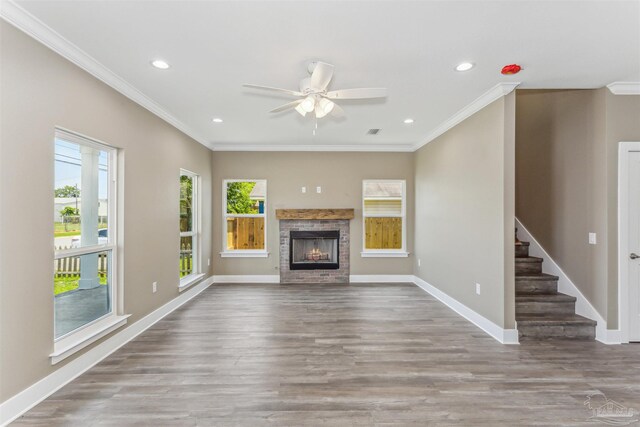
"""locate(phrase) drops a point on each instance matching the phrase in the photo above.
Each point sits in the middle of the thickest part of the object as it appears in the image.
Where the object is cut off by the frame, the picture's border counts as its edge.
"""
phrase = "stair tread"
(553, 320)
(544, 297)
(536, 276)
(528, 259)
(542, 313)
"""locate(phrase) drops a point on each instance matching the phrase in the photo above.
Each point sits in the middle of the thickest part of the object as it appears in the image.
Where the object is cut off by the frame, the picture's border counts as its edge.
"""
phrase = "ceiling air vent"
(373, 131)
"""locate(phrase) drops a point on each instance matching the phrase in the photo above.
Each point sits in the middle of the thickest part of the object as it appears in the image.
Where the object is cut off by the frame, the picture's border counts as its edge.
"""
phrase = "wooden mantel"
(314, 213)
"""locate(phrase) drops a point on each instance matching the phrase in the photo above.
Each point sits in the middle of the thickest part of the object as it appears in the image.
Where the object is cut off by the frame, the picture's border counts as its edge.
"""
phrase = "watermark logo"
(609, 411)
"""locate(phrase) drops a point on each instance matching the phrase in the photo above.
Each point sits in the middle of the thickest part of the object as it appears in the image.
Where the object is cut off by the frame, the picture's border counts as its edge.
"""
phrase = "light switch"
(303, 189)
(318, 190)
(592, 238)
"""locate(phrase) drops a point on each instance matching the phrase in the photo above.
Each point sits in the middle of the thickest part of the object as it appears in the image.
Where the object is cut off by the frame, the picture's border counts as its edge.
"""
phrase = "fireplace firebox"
(314, 250)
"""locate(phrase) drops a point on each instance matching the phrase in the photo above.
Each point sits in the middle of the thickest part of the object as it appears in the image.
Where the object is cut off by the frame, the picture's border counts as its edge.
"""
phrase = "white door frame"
(623, 241)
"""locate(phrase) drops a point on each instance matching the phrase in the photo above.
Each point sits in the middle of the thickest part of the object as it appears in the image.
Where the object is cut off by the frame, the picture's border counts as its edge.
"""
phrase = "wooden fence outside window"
(245, 233)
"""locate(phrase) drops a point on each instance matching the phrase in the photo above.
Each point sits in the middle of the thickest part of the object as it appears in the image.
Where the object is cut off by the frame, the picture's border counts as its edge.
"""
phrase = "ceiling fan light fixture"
(320, 113)
(301, 110)
(309, 104)
(326, 105)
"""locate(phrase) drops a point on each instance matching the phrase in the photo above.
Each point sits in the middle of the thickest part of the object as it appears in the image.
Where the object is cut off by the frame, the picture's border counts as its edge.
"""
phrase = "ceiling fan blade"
(287, 106)
(361, 93)
(275, 89)
(321, 76)
(337, 111)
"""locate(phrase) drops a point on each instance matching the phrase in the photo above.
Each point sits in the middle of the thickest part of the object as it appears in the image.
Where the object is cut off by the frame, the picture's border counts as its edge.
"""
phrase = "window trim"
(194, 233)
(385, 253)
(89, 333)
(243, 253)
(73, 341)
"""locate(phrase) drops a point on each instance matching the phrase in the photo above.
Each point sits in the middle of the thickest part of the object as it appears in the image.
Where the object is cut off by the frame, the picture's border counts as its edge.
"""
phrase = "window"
(245, 205)
(189, 227)
(84, 238)
(384, 219)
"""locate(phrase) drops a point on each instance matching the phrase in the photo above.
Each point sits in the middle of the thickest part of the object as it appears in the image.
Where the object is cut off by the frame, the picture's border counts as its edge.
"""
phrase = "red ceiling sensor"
(511, 69)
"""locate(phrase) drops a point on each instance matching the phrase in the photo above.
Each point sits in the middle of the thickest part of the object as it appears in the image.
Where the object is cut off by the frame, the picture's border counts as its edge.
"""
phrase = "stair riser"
(565, 332)
(544, 313)
(536, 286)
(530, 307)
(528, 267)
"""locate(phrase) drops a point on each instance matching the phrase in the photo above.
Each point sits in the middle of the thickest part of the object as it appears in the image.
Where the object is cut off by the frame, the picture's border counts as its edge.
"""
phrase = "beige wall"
(560, 182)
(339, 174)
(464, 212)
(566, 181)
(40, 90)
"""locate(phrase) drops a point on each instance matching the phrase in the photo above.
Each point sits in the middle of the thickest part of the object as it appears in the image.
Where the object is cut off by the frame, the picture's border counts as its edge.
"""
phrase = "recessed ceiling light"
(217, 120)
(159, 63)
(465, 66)
(408, 121)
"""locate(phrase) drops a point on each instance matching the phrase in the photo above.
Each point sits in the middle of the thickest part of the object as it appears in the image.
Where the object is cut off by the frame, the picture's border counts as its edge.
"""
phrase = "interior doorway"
(629, 240)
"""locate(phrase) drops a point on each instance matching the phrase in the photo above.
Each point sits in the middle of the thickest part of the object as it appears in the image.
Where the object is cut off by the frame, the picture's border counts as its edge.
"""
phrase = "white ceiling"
(409, 47)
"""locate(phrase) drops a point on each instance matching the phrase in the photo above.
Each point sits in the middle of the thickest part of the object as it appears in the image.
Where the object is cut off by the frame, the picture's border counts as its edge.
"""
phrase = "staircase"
(541, 311)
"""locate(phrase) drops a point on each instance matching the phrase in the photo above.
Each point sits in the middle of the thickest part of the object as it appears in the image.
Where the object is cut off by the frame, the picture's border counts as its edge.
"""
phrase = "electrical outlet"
(592, 238)
(318, 190)
(478, 288)
(418, 262)
(208, 262)
(154, 287)
(303, 189)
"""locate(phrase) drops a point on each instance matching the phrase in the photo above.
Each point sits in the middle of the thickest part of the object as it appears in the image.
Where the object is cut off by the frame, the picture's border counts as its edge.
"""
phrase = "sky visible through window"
(68, 167)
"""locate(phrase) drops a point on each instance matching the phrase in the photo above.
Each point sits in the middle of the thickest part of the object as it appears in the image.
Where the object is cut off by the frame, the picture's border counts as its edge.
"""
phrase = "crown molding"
(398, 148)
(496, 92)
(32, 26)
(624, 88)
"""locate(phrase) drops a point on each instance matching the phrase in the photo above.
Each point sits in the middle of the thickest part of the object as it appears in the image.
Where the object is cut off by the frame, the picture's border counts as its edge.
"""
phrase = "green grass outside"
(66, 234)
(66, 284)
(182, 267)
(70, 283)
(59, 229)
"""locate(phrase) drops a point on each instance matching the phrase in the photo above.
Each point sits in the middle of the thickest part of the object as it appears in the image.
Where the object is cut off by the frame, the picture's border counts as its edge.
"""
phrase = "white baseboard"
(381, 278)
(504, 336)
(28, 398)
(566, 286)
(257, 278)
(610, 336)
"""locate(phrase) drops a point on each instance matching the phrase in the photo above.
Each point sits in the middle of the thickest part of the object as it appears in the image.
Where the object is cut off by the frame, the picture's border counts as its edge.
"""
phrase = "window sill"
(189, 280)
(240, 254)
(81, 339)
(387, 254)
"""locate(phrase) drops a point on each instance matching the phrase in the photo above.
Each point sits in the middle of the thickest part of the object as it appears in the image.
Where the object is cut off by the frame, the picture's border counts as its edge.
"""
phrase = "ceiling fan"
(313, 94)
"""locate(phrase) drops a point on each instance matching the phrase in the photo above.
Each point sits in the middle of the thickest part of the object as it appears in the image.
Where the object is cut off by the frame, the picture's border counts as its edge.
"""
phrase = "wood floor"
(363, 354)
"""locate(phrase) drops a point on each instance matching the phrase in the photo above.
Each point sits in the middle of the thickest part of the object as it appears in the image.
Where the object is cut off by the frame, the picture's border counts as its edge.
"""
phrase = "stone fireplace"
(314, 245)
